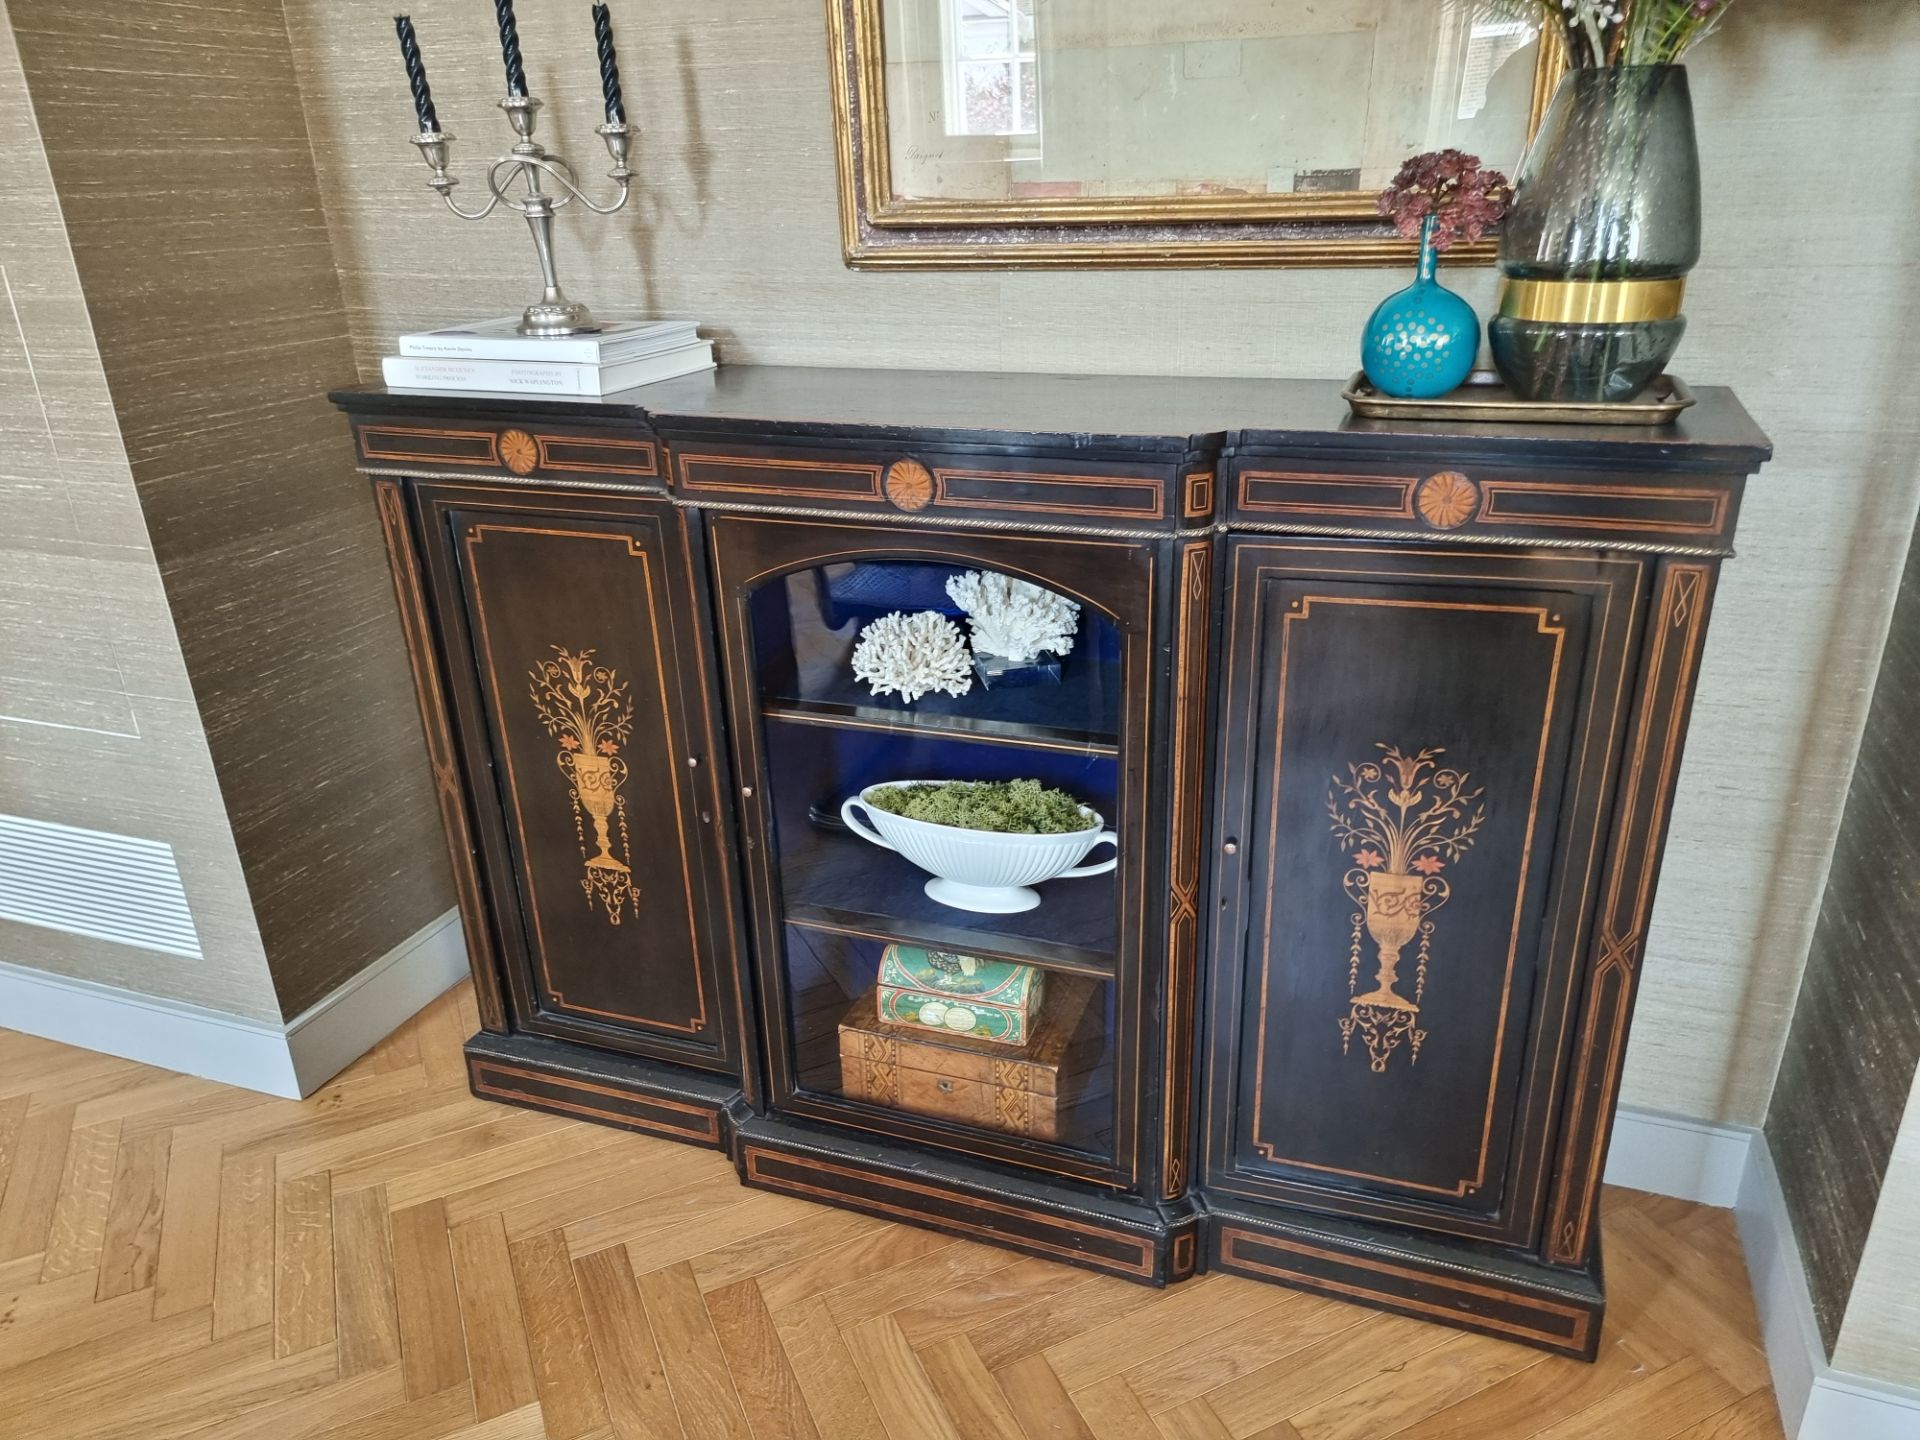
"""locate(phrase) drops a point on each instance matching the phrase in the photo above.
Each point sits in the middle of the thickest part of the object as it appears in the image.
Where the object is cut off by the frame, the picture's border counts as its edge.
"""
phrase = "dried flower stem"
(1621, 32)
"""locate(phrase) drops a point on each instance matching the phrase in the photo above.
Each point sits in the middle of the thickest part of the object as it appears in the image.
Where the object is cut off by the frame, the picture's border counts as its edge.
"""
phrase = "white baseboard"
(1671, 1155)
(173, 1036)
(1731, 1166)
(1851, 1407)
(1816, 1401)
(292, 1059)
(330, 1035)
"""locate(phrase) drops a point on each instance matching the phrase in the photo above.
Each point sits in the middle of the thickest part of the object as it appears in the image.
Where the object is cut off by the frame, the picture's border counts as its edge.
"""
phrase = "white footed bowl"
(981, 870)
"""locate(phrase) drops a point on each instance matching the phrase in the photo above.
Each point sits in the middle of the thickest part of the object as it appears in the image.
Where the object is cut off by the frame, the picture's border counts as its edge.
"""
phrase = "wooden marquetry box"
(1020, 1091)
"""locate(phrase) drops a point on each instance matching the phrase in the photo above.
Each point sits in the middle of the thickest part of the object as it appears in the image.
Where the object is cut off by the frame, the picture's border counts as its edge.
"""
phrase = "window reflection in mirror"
(1016, 100)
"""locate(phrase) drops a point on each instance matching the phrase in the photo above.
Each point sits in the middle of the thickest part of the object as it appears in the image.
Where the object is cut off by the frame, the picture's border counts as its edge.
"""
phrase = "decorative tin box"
(1030, 1091)
(989, 999)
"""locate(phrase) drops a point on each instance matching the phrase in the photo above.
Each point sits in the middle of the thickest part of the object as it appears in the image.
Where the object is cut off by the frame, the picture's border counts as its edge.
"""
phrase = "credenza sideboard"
(1385, 720)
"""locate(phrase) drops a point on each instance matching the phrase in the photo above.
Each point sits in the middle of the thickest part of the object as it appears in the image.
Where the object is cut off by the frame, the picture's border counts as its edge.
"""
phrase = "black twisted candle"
(510, 47)
(416, 75)
(609, 65)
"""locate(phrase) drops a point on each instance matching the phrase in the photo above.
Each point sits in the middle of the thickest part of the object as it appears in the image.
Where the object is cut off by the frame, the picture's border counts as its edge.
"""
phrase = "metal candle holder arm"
(529, 162)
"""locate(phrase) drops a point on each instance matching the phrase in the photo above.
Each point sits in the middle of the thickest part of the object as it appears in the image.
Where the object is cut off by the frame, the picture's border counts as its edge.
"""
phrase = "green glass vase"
(1604, 226)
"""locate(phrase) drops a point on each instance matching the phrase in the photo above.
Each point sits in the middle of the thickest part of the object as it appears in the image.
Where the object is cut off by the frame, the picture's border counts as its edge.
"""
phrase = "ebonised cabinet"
(1386, 720)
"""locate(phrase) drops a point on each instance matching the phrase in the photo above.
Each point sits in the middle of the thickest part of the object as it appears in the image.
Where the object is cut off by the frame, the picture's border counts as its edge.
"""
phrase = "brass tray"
(1486, 397)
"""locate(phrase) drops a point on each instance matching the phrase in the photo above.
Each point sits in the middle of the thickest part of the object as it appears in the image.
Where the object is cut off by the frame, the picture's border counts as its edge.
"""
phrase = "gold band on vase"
(1591, 302)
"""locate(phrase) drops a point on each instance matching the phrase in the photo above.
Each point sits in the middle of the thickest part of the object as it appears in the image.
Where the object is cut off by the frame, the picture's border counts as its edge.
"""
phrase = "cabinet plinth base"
(1116, 1235)
(1458, 1283)
(608, 1089)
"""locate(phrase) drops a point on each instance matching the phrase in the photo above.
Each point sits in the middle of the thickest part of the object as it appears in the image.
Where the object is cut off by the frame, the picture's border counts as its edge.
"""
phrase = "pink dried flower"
(1463, 200)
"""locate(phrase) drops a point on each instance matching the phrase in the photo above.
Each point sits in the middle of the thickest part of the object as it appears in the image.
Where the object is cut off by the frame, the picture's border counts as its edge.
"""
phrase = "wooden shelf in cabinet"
(849, 887)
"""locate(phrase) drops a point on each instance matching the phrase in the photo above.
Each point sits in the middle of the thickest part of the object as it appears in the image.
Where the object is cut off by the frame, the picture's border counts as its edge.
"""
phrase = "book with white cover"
(534, 377)
(500, 340)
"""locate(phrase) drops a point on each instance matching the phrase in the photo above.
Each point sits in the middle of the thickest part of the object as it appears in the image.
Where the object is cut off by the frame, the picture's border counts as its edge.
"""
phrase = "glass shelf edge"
(800, 712)
(1104, 971)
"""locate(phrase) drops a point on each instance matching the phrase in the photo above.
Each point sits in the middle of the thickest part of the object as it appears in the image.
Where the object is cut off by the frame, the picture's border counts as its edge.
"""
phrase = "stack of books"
(493, 355)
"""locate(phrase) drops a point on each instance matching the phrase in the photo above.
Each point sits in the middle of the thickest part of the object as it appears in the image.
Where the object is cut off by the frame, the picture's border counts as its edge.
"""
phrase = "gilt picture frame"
(1200, 224)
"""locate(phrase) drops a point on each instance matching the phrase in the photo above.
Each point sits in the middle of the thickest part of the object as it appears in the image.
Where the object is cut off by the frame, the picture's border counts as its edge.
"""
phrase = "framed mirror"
(1057, 133)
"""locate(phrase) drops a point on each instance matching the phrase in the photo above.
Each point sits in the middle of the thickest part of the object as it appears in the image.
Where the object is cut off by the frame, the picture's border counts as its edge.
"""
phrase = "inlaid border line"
(1263, 1229)
(658, 488)
(1468, 539)
(1029, 527)
(968, 1187)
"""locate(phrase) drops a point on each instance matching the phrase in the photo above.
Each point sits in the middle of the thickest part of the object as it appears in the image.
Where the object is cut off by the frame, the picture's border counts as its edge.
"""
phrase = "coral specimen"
(1013, 807)
(913, 655)
(1013, 619)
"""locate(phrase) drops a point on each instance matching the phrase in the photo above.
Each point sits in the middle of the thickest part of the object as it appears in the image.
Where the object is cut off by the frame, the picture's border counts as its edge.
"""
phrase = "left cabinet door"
(590, 746)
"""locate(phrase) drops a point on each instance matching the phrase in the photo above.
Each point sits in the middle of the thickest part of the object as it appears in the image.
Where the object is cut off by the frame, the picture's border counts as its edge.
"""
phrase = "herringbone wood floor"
(394, 1260)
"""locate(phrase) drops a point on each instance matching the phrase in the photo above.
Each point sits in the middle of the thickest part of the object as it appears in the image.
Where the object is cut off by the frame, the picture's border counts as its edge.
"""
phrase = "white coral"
(1013, 619)
(913, 655)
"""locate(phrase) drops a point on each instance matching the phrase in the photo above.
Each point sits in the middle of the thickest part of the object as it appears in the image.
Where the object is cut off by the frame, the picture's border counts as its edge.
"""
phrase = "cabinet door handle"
(693, 762)
(945, 1086)
(1232, 847)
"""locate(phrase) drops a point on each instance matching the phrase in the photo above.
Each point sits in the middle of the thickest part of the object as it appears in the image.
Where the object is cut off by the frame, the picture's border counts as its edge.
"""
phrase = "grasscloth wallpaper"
(1806, 302)
(1855, 1040)
(1881, 1333)
(199, 238)
(98, 724)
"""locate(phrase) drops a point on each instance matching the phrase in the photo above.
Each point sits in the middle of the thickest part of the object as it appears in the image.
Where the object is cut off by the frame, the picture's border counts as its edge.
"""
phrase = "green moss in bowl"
(1011, 807)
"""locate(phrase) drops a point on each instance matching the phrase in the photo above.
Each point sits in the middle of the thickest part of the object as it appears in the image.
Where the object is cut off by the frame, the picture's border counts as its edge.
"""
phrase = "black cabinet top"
(1098, 413)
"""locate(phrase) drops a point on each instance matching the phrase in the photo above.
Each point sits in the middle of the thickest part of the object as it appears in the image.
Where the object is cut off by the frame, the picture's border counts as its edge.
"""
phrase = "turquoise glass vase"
(1422, 341)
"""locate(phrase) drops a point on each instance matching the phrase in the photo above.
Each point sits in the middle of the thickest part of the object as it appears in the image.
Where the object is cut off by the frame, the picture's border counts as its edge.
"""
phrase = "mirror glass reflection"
(1023, 100)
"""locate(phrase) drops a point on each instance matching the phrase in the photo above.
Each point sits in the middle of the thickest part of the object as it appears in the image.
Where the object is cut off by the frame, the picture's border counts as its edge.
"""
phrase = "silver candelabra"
(529, 164)
(518, 179)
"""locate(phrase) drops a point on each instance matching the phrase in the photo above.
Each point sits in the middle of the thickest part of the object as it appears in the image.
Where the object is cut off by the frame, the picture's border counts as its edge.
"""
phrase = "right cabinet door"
(1418, 752)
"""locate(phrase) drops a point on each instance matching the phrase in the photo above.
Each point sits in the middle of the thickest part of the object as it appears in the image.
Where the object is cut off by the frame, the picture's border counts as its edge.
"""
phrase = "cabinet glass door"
(930, 966)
